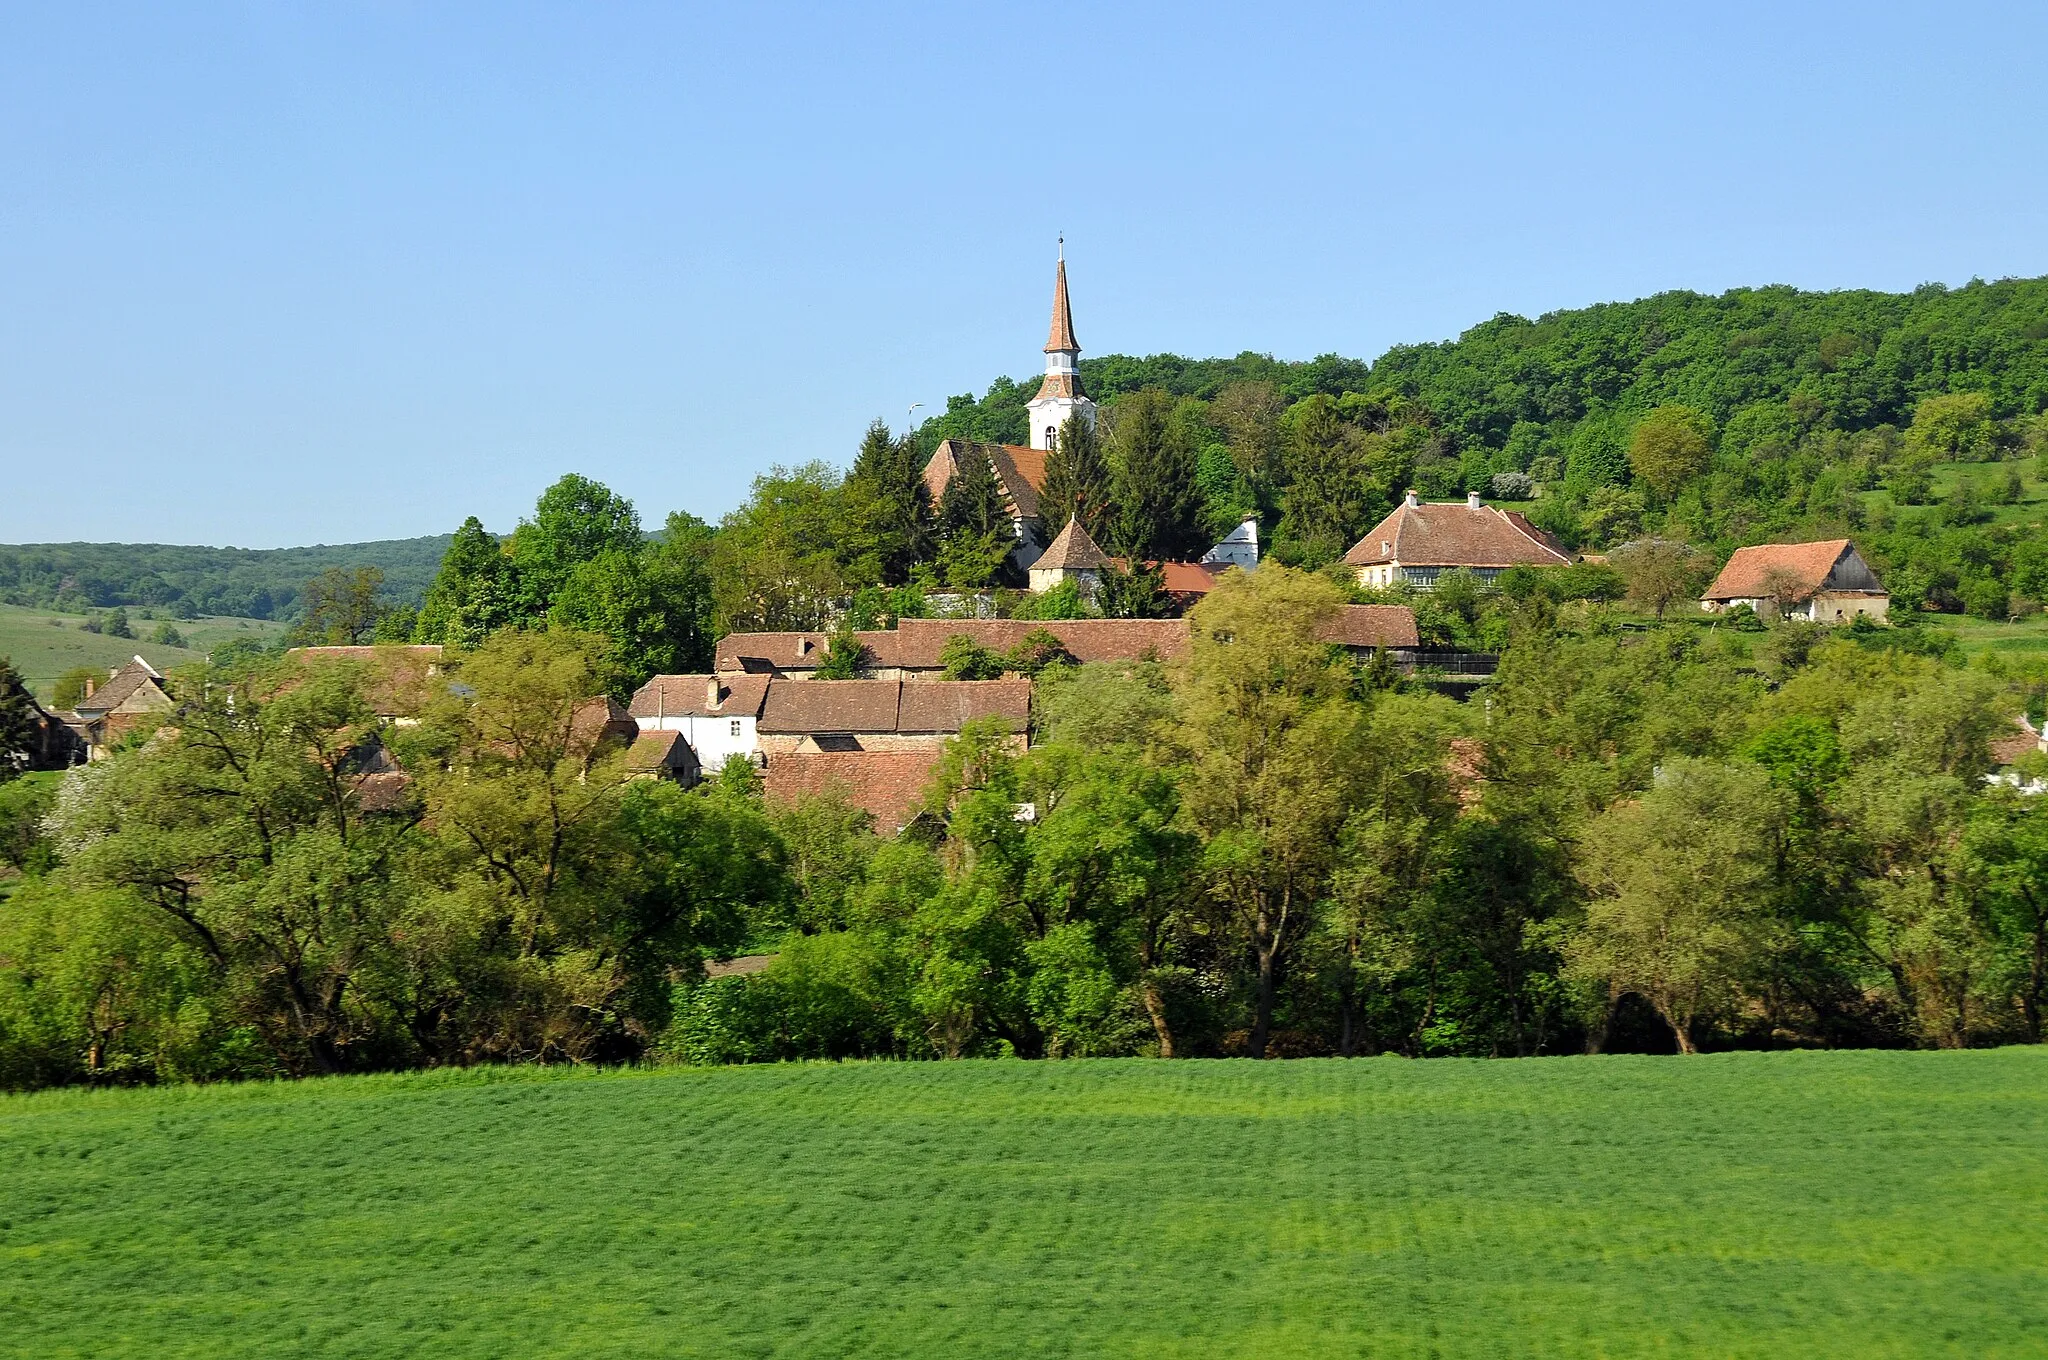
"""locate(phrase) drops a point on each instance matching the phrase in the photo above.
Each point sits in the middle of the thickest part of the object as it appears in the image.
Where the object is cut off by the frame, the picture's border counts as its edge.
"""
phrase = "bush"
(1513, 486)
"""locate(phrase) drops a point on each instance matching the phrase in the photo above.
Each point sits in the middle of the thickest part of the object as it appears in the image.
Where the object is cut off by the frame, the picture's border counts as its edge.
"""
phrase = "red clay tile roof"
(819, 706)
(1752, 573)
(770, 651)
(1373, 625)
(1019, 469)
(678, 696)
(888, 784)
(1190, 578)
(1073, 550)
(1455, 534)
(797, 706)
(1061, 336)
(944, 705)
(596, 719)
(919, 641)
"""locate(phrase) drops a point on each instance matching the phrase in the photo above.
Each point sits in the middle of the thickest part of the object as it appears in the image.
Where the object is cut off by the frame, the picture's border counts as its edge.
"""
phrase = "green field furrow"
(1865, 1204)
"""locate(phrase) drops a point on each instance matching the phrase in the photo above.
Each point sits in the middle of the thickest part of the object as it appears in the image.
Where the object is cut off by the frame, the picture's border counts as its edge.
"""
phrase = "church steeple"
(1062, 340)
(1060, 395)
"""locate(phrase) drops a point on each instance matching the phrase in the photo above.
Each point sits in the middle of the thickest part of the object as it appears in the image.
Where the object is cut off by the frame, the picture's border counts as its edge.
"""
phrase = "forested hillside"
(256, 583)
(1905, 419)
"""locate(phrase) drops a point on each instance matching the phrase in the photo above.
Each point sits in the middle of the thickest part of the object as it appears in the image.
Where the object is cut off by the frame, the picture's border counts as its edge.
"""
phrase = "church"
(1020, 468)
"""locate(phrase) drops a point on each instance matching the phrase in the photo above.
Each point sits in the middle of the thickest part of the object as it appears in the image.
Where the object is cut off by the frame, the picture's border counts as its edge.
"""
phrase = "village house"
(887, 730)
(53, 742)
(718, 715)
(1421, 540)
(131, 695)
(1826, 582)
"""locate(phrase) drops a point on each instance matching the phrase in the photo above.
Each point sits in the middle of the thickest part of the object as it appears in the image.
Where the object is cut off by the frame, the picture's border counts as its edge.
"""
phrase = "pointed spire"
(1062, 337)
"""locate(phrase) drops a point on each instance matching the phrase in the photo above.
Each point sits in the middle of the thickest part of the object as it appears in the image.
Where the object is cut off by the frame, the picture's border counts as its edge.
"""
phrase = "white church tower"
(1060, 395)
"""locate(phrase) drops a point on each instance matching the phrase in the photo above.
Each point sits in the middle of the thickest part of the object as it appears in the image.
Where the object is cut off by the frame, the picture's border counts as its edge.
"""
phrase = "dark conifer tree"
(973, 503)
(1154, 466)
(1077, 479)
(889, 510)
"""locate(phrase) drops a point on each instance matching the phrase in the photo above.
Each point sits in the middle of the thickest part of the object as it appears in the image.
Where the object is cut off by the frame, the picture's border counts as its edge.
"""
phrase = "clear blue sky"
(278, 274)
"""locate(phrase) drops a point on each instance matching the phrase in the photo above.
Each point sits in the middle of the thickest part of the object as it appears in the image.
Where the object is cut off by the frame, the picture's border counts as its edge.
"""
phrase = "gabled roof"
(1020, 471)
(659, 750)
(135, 681)
(1061, 337)
(945, 705)
(1802, 568)
(1373, 625)
(1456, 534)
(889, 785)
(1073, 550)
(689, 696)
(802, 706)
(596, 719)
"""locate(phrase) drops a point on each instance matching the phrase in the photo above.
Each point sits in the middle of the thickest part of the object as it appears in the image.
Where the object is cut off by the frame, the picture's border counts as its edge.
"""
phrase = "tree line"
(1669, 838)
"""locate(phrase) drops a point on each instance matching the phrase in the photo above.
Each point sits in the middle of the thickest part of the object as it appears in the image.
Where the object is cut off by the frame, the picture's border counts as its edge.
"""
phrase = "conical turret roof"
(1073, 550)
(1062, 337)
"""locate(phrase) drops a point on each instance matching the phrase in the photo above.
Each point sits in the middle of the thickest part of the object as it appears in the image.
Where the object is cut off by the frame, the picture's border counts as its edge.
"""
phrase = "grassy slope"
(42, 652)
(1844, 1204)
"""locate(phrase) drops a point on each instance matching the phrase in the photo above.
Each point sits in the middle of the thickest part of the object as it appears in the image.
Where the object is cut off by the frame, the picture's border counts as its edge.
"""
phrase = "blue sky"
(280, 274)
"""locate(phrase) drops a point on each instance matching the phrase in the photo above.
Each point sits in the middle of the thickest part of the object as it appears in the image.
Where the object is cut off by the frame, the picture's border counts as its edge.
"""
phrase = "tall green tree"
(1273, 746)
(1077, 479)
(1154, 482)
(1669, 447)
(575, 521)
(1680, 887)
(1326, 498)
(888, 509)
(342, 608)
(17, 722)
(973, 502)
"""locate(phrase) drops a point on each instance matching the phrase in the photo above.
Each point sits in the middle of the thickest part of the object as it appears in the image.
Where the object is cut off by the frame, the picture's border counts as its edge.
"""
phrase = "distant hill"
(257, 583)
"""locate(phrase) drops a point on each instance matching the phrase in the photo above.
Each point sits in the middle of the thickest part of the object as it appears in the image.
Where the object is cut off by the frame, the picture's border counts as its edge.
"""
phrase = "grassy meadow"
(1810, 1204)
(43, 644)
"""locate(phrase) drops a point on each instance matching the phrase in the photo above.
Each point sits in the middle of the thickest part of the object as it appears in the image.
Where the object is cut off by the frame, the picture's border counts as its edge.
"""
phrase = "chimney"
(711, 691)
(90, 685)
(1410, 498)
(1472, 500)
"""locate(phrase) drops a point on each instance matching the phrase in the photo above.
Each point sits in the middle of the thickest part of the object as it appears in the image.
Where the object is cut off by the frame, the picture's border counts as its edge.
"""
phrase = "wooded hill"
(256, 583)
(1779, 413)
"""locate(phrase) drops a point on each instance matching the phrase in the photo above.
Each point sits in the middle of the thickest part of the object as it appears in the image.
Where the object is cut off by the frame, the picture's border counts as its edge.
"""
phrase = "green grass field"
(1796, 1204)
(43, 644)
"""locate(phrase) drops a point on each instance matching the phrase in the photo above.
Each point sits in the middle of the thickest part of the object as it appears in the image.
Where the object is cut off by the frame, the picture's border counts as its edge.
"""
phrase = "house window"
(735, 726)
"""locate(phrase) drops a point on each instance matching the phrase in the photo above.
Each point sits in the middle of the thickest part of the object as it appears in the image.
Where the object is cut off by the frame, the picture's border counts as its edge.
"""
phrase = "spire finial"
(1063, 247)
